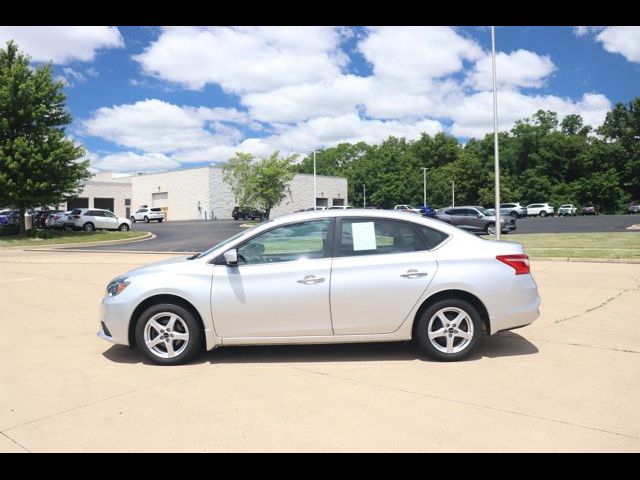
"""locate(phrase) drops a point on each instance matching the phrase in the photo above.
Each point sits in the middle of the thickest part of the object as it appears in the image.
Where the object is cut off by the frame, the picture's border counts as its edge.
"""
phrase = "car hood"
(162, 265)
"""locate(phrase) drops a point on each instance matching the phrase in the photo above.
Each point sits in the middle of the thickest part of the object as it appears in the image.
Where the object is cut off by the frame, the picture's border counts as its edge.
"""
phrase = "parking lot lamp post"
(364, 196)
(315, 197)
(495, 132)
(453, 193)
(424, 189)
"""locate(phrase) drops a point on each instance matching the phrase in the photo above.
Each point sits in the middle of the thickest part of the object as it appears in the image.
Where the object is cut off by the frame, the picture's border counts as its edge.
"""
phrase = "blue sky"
(149, 98)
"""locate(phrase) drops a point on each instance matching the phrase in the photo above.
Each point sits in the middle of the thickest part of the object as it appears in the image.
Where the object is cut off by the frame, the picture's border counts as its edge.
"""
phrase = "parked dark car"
(589, 210)
(475, 219)
(248, 213)
(9, 217)
(39, 217)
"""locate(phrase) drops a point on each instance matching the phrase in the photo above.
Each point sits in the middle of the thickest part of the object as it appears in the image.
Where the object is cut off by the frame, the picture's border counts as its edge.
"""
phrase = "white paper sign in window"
(364, 236)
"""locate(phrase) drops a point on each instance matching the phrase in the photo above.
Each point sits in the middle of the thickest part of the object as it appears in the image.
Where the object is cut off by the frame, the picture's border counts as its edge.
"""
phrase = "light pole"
(315, 197)
(364, 196)
(453, 193)
(424, 190)
(495, 132)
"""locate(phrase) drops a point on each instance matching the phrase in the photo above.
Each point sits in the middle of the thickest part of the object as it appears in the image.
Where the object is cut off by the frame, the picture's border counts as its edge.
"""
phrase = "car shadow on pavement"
(502, 345)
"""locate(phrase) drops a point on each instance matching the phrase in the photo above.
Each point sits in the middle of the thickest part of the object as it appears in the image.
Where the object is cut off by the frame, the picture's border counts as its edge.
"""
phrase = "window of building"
(338, 202)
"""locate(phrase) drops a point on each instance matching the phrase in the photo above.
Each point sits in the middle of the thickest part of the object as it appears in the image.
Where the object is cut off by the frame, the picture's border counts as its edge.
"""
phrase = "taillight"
(519, 261)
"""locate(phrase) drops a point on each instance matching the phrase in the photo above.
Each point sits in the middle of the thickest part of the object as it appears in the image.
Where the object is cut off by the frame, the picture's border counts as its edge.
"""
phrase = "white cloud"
(243, 59)
(133, 162)
(157, 126)
(520, 68)
(622, 40)
(473, 115)
(410, 56)
(582, 31)
(62, 45)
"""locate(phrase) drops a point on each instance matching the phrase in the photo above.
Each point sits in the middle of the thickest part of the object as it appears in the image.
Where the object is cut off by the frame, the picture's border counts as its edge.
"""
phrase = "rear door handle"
(311, 279)
(414, 274)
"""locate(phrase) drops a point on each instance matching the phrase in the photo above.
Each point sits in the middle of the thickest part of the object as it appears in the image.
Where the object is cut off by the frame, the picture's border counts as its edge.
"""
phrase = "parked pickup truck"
(567, 209)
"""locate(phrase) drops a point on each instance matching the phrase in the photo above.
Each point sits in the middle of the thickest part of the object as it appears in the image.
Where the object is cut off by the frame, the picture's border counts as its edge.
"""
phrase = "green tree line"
(542, 158)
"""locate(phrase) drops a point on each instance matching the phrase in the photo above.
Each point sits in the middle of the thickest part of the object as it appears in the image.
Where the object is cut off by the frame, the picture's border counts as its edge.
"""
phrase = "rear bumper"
(518, 307)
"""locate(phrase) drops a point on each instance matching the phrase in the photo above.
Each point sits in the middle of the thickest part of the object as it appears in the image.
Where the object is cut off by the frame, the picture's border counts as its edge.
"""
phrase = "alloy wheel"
(166, 335)
(450, 330)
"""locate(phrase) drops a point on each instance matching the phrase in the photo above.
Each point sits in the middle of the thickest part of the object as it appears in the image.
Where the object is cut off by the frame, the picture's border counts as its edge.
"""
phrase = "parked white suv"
(407, 208)
(90, 219)
(542, 209)
(567, 209)
(147, 215)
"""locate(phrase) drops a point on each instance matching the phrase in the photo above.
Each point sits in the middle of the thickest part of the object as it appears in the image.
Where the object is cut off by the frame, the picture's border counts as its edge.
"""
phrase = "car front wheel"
(543, 213)
(491, 229)
(133, 219)
(449, 329)
(88, 227)
(146, 219)
(124, 227)
(169, 334)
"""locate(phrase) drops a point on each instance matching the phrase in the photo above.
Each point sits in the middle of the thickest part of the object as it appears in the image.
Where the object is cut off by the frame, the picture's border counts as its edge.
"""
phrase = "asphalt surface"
(196, 236)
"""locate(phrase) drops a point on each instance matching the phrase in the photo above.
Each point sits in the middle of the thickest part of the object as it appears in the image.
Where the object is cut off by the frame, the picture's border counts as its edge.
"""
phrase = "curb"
(586, 260)
(62, 246)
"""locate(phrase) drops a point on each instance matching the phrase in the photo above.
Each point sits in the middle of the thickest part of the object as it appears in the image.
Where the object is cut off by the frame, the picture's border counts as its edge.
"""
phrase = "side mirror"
(231, 257)
(480, 215)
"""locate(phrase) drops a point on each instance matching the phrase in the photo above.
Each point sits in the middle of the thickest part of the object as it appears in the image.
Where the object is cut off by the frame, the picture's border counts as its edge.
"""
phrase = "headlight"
(117, 286)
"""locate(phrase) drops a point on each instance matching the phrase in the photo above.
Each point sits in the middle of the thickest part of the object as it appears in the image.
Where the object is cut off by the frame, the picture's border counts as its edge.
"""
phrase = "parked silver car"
(332, 276)
(513, 210)
(475, 219)
(57, 220)
(90, 219)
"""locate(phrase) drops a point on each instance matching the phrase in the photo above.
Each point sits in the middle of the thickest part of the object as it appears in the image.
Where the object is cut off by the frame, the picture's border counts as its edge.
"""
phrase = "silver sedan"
(331, 276)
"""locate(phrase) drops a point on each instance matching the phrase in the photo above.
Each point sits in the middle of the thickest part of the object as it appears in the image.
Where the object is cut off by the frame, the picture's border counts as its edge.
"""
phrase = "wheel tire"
(67, 228)
(491, 229)
(543, 213)
(160, 220)
(421, 335)
(133, 219)
(146, 219)
(514, 214)
(124, 227)
(195, 342)
(89, 227)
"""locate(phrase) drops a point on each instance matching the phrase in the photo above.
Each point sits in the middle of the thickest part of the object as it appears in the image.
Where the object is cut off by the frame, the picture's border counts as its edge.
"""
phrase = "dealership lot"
(568, 382)
(196, 236)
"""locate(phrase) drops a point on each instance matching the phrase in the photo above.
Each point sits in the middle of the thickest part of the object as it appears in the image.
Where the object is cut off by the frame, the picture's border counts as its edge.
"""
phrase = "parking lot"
(196, 236)
(568, 382)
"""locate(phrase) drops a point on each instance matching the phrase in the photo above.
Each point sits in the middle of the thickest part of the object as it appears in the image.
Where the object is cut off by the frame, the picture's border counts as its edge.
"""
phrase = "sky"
(147, 99)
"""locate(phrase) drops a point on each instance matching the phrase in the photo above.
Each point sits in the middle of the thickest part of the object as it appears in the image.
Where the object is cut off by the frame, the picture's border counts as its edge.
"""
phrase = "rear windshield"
(156, 209)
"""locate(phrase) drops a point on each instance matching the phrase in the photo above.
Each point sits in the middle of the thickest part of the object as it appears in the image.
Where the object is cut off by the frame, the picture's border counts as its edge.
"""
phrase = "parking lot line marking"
(15, 442)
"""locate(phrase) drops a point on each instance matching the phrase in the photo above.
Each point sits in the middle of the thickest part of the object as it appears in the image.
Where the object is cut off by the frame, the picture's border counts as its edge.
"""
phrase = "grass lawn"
(614, 245)
(58, 237)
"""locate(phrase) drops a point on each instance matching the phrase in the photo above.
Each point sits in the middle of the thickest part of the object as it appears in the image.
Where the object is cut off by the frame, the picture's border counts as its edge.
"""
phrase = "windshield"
(228, 240)
(487, 211)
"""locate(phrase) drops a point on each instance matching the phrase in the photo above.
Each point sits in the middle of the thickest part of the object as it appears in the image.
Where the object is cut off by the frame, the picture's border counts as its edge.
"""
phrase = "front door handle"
(311, 279)
(414, 274)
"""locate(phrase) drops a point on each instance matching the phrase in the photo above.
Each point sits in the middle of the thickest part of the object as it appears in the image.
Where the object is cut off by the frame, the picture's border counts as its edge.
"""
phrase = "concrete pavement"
(569, 382)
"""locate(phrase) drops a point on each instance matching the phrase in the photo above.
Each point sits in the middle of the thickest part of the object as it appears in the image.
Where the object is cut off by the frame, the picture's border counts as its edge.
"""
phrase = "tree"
(259, 183)
(38, 165)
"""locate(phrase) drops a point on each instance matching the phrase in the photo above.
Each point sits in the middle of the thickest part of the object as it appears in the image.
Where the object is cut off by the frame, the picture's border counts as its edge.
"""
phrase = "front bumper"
(115, 316)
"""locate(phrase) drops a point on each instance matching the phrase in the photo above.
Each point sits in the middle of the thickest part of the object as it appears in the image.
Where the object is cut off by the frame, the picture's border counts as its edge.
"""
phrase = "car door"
(280, 287)
(110, 220)
(380, 270)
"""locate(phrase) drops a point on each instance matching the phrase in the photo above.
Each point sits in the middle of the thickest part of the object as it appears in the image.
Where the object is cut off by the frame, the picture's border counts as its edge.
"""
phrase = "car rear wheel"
(169, 334)
(88, 227)
(514, 214)
(449, 329)
(124, 227)
(146, 219)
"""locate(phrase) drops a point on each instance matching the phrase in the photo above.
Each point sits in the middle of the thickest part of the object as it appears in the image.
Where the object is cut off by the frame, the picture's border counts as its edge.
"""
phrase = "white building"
(197, 193)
